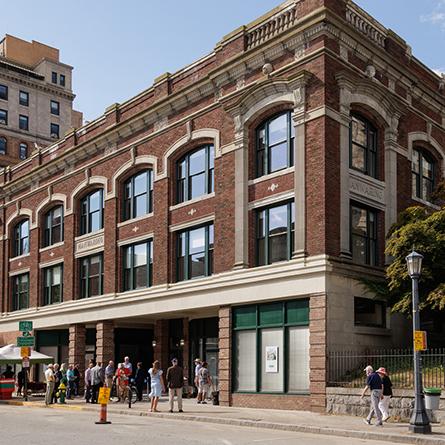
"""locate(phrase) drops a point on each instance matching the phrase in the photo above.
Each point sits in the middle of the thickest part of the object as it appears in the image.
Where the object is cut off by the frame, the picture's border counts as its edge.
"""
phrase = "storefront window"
(271, 347)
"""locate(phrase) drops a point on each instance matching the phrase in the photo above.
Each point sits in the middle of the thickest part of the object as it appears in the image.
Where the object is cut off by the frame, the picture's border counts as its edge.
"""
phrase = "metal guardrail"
(346, 368)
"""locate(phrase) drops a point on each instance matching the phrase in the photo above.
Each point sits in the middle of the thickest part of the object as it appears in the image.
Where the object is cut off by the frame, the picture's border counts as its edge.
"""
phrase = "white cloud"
(439, 71)
(437, 16)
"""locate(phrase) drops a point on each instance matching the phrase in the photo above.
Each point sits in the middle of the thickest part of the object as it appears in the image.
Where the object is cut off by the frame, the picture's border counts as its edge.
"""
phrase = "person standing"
(109, 374)
(57, 380)
(122, 381)
(50, 379)
(374, 383)
(139, 380)
(387, 394)
(21, 381)
(96, 381)
(88, 384)
(175, 382)
(70, 377)
(76, 379)
(9, 373)
(156, 385)
(204, 383)
(128, 366)
(198, 366)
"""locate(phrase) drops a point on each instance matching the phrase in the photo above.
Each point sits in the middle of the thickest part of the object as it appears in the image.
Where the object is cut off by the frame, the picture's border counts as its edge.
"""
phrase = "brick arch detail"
(91, 181)
(55, 198)
(417, 136)
(13, 219)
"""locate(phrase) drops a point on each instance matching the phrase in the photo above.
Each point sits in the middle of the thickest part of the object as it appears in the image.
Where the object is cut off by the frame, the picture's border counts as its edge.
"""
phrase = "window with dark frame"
(55, 107)
(3, 146)
(194, 257)
(53, 285)
(91, 212)
(364, 235)
(3, 92)
(275, 140)
(3, 117)
(138, 265)
(423, 177)
(54, 77)
(54, 131)
(23, 150)
(275, 226)
(23, 122)
(91, 276)
(20, 238)
(20, 291)
(62, 80)
(195, 174)
(371, 313)
(363, 146)
(138, 195)
(53, 226)
(24, 98)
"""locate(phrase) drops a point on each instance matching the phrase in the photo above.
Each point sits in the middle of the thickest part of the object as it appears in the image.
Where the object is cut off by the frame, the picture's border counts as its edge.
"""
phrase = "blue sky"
(118, 47)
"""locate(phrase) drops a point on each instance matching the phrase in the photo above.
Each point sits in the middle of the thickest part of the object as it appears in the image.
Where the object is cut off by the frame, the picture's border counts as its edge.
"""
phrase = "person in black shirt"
(139, 380)
(9, 373)
(374, 383)
(387, 394)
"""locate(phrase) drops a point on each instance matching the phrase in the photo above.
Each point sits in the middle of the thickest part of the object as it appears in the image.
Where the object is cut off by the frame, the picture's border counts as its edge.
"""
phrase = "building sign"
(364, 189)
(420, 341)
(25, 326)
(25, 341)
(89, 244)
(271, 359)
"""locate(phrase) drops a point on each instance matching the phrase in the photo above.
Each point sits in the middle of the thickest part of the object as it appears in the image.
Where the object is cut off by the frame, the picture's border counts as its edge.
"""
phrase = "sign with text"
(25, 326)
(25, 341)
(25, 362)
(272, 359)
(25, 351)
(420, 340)
(104, 395)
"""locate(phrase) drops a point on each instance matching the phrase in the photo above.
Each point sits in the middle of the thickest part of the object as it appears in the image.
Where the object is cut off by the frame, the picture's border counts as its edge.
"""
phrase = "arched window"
(91, 212)
(195, 175)
(53, 226)
(20, 238)
(23, 151)
(3, 146)
(363, 142)
(275, 144)
(423, 175)
(138, 195)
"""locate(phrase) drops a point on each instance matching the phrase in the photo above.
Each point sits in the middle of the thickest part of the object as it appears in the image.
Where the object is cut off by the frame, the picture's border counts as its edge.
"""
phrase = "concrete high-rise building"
(36, 98)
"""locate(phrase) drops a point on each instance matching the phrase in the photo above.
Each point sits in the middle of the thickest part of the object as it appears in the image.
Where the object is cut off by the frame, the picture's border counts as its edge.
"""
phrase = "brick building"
(230, 210)
(36, 98)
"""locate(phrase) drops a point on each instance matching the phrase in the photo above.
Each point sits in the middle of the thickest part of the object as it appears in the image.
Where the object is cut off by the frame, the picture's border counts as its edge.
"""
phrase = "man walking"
(374, 383)
(175, 382)
(50, 380)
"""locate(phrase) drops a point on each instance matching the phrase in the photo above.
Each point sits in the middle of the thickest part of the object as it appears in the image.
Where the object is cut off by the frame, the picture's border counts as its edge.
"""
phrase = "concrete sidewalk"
(301, 421)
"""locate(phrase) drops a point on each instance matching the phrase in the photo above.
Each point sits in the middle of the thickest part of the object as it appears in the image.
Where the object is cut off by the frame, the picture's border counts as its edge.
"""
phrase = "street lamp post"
(419, 422)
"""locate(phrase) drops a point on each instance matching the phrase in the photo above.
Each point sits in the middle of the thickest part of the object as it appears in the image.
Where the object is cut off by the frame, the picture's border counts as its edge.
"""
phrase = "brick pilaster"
(110, 247)
(76, 348)
(34, 271)
(160, 352)
(104, 341)
(69, 262)
(317, 352)
(225, 354)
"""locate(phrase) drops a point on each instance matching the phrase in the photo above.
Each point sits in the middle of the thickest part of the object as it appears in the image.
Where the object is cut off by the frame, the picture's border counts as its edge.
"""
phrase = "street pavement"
(39, 426)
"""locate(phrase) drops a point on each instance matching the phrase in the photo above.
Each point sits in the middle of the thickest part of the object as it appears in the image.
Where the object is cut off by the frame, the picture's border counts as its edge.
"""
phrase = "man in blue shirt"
(375, 384)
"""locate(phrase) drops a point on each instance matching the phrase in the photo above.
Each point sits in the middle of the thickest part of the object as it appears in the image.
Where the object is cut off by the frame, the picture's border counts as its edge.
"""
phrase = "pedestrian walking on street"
(49, 378)
(387, 394)
(76, 379)
(157, 385)
(88, 382)
(204, 383)
(198, 366)
(109, 374)
(139, 380)
(20, 381)
(375, 385)
(175, 382)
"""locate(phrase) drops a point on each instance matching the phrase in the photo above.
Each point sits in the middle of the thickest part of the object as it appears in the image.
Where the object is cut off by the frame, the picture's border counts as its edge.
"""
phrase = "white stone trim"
(136, 239)
(273, 175)
(88, 235)
(19, 272)
(89, 181)
(52, 198)
(425, 137)
(274, 199)
(58, 261)
(192, 201)
(89, 252)
(128, 222)
(52, 246)
(20, 257)
(189, 224)
(18, 213)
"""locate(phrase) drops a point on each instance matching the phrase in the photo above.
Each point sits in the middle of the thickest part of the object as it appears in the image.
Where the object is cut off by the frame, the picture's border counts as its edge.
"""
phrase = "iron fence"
(346, 368)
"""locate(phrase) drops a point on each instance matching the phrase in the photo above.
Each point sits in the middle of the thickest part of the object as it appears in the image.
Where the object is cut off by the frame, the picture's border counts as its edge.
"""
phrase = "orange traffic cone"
(102, 415)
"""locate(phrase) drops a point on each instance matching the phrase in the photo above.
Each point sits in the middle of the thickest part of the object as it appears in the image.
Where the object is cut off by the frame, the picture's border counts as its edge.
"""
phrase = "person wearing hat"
(50, 382)
(387, 393)
(198, 366)
(374, 383)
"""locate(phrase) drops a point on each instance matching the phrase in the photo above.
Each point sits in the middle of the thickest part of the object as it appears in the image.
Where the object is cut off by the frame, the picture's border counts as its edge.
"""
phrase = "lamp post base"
(420, 429)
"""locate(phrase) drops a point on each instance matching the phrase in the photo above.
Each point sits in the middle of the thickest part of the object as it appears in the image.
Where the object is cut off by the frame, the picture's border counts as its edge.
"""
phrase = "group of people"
(379, 383)
(57, 375)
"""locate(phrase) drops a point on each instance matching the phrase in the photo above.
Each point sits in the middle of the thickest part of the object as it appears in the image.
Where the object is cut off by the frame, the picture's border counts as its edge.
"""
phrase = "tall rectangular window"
(363, 142)
(55, 107)
(91, 276)
(91, 212)
(52, 285)
(20, 292)
(21, 238)
(23, 122)
(23, 150)
(275, 233)
(24, 98)
(195, 253)
(369, 312)
(364, 235)
(3, 117)
(423, 178)
(138, 195)
(271, 347)
(54, 131)
(54, 77)
(62, 80)
(3, 92)
(138, 265)
(53, 226)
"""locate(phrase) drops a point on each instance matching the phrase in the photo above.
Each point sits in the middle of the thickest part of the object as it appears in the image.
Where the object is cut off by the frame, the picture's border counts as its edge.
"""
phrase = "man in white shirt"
(128, 365)
(50, 381)
(198, 366)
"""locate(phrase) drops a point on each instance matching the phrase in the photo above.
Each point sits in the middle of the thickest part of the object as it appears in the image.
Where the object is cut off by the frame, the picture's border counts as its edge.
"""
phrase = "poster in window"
(271, 359)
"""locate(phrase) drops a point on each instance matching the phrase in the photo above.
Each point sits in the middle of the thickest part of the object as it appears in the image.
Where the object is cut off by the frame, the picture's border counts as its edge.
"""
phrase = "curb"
(385, 437)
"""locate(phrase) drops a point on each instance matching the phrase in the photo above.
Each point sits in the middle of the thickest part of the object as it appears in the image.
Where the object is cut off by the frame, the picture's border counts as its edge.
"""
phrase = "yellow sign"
(104, 395)
(25, 351)
(420, 340)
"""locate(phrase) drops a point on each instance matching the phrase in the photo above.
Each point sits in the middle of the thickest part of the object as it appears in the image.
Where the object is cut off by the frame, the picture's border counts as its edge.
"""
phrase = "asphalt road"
(42, 426)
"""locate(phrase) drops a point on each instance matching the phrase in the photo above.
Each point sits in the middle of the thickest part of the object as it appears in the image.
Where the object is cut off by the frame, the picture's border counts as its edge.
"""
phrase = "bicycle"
(132, 393)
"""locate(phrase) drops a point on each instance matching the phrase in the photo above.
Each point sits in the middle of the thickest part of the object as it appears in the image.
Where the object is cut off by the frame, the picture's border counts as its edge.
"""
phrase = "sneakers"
(170, 411)
(180, 411)
(368, 422)
(379, 424)
(204, 403)
(385, 418)
(199, 401)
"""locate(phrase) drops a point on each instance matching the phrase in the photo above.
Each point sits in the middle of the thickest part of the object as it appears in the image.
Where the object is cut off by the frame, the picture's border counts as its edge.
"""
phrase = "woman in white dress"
(157, 385)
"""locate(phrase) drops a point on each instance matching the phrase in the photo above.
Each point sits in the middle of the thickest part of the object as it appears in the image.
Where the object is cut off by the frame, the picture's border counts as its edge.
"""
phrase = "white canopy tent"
(10, 354)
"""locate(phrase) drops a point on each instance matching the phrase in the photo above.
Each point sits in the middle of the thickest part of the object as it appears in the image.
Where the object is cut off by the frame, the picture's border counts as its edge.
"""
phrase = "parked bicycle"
(131, 393)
